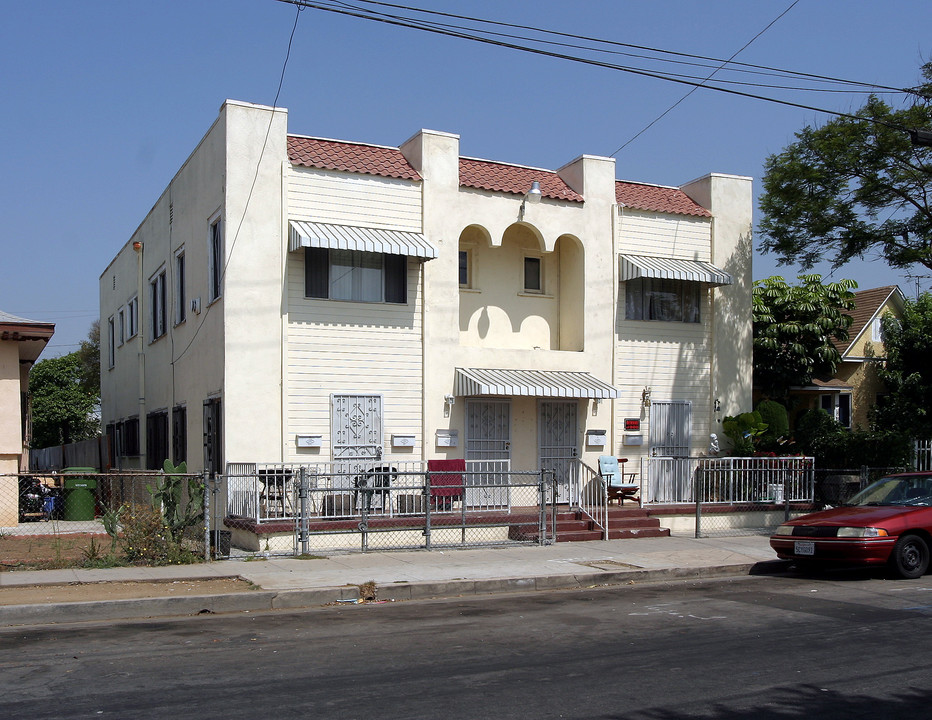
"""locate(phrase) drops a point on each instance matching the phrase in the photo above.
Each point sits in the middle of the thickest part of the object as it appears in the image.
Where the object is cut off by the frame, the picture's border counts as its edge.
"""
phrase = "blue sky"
(103, 101)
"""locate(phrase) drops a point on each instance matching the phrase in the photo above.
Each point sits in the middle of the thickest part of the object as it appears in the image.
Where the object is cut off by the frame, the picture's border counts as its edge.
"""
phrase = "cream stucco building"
(291, 298)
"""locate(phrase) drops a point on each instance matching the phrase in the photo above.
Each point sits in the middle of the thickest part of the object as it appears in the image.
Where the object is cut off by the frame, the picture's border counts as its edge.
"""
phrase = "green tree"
(793, 330)
(89, 356)
(852, 187)
(907, 372)
(65, 395)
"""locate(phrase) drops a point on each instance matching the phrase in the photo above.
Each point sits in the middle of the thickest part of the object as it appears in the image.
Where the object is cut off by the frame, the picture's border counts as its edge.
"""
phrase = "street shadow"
(802, 701)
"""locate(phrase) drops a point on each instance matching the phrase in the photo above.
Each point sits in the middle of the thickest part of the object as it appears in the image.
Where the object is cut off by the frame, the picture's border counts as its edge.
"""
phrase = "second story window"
(533, 277)
(158, 300)
(215, 260)
(132, 317)
(180, 295)
(663, 300)
(111, 343)
(465, 279)
(354, 275)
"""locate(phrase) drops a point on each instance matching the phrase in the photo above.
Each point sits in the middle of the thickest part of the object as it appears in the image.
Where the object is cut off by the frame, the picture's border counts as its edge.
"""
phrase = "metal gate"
(356, 423)
(488, 444)
(669, 436)
(557, 444)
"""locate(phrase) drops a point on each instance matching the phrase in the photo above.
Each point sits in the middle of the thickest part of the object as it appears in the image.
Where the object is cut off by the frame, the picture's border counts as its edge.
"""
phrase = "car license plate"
(804, 547)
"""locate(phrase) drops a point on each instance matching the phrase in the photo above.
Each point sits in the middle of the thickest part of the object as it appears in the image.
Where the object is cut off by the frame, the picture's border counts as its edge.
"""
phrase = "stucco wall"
(11, 430)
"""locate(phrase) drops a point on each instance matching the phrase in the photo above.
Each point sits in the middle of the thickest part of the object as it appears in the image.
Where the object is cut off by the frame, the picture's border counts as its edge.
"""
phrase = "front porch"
(352, 506)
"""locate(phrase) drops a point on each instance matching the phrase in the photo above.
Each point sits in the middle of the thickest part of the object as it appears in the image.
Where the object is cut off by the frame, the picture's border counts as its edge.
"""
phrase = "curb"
(269, 600)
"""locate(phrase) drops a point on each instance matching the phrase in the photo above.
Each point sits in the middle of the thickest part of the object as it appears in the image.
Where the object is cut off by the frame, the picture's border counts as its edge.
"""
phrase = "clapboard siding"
(672, 236)
(353, 199)
(346, 347)
(674, 360)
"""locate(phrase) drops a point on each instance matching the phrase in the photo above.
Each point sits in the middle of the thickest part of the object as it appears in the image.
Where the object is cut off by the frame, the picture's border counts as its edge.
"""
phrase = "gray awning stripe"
(645, 266)
(532, 383)
(302, 234)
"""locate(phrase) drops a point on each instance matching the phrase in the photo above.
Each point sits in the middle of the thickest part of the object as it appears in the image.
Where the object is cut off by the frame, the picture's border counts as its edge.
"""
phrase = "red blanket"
(445, 478)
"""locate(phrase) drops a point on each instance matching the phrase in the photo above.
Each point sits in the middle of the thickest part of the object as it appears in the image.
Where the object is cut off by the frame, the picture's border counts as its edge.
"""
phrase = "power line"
(366, 15)
(759, 69)
(690, 92)
(252, 187)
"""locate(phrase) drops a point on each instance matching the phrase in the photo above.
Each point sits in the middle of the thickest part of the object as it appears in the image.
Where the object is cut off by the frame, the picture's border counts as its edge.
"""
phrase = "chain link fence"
(357, 506)
(80, 517)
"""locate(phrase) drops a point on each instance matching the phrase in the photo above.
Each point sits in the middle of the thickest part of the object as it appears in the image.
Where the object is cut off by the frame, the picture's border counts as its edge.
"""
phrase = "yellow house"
(849, 395)
(21, 342)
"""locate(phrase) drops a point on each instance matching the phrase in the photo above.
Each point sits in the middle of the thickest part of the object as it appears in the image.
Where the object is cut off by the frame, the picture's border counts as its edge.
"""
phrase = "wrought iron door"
(488, 452)
(357, 435)
(670, 436)
(557, 443)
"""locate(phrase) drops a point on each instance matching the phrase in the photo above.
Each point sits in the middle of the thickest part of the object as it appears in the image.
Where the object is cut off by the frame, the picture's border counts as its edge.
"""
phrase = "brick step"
(623, 523)
(629, 534)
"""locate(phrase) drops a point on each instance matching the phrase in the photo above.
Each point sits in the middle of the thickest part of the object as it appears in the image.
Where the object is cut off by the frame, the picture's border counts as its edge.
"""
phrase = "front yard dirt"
(87, 592)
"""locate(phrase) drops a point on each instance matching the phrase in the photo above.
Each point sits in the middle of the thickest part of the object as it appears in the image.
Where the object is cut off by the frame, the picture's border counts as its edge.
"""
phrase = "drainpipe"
(616, 288)
(140, 352)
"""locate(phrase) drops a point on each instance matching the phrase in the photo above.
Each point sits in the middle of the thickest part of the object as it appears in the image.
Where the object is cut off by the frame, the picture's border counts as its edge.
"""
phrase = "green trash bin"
(79, 489)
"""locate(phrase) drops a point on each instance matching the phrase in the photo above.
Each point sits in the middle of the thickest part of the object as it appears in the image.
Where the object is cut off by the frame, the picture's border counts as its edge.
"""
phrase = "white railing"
(923, 457)
(669, 480)
(589, 491)
(268, 492)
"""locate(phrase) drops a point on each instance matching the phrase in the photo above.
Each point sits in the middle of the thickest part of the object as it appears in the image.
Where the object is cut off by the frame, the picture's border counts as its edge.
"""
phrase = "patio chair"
(274, 496)
(446, 482)
(619, 485)
(374, 483)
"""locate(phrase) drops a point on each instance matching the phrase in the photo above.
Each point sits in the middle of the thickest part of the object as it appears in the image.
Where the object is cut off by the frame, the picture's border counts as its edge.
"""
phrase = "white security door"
(488, 450)
(557, 442)
(670, 437)
(356, 433)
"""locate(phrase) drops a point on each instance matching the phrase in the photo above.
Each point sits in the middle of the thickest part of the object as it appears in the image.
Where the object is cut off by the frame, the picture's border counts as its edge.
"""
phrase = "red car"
(888, 522)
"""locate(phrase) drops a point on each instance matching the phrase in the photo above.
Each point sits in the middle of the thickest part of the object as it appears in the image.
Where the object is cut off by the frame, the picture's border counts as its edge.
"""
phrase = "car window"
(916, 490)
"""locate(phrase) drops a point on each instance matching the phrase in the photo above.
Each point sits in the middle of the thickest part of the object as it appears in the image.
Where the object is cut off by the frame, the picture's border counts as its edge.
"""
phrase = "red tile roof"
(657, 198)
(350, 157)
(482, 174)
(516, 179)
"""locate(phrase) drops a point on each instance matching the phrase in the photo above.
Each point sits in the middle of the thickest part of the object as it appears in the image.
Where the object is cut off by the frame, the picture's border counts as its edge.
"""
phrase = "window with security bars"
(179, 434)
(156, 439)
(213, 436)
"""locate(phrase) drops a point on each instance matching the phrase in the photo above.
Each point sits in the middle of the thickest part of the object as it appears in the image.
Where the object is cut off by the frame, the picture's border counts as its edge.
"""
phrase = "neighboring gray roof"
(12, 319)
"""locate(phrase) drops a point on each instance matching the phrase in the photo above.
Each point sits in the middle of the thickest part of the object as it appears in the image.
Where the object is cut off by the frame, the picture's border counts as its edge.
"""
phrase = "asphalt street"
(847, 645)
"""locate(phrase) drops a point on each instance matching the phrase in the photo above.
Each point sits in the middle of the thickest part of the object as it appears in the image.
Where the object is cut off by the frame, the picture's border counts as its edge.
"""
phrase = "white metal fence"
(729, 480)
(923, 456)
(267, 492)
(386, 504)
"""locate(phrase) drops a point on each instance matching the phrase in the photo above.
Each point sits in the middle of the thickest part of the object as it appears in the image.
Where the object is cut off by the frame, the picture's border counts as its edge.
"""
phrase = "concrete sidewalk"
(283, 582)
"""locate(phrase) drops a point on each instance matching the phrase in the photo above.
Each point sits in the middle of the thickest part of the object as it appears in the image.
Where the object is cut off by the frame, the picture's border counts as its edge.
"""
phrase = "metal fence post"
(698, 506)
(427, 497)
(786, 496)
(302, 510)
(207, 500)
(553, 507)
(542, 513)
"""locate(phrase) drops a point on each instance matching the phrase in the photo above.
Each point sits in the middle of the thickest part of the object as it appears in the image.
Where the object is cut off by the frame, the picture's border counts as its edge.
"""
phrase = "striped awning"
(532, 383)
(302, 234)
(644, 266)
